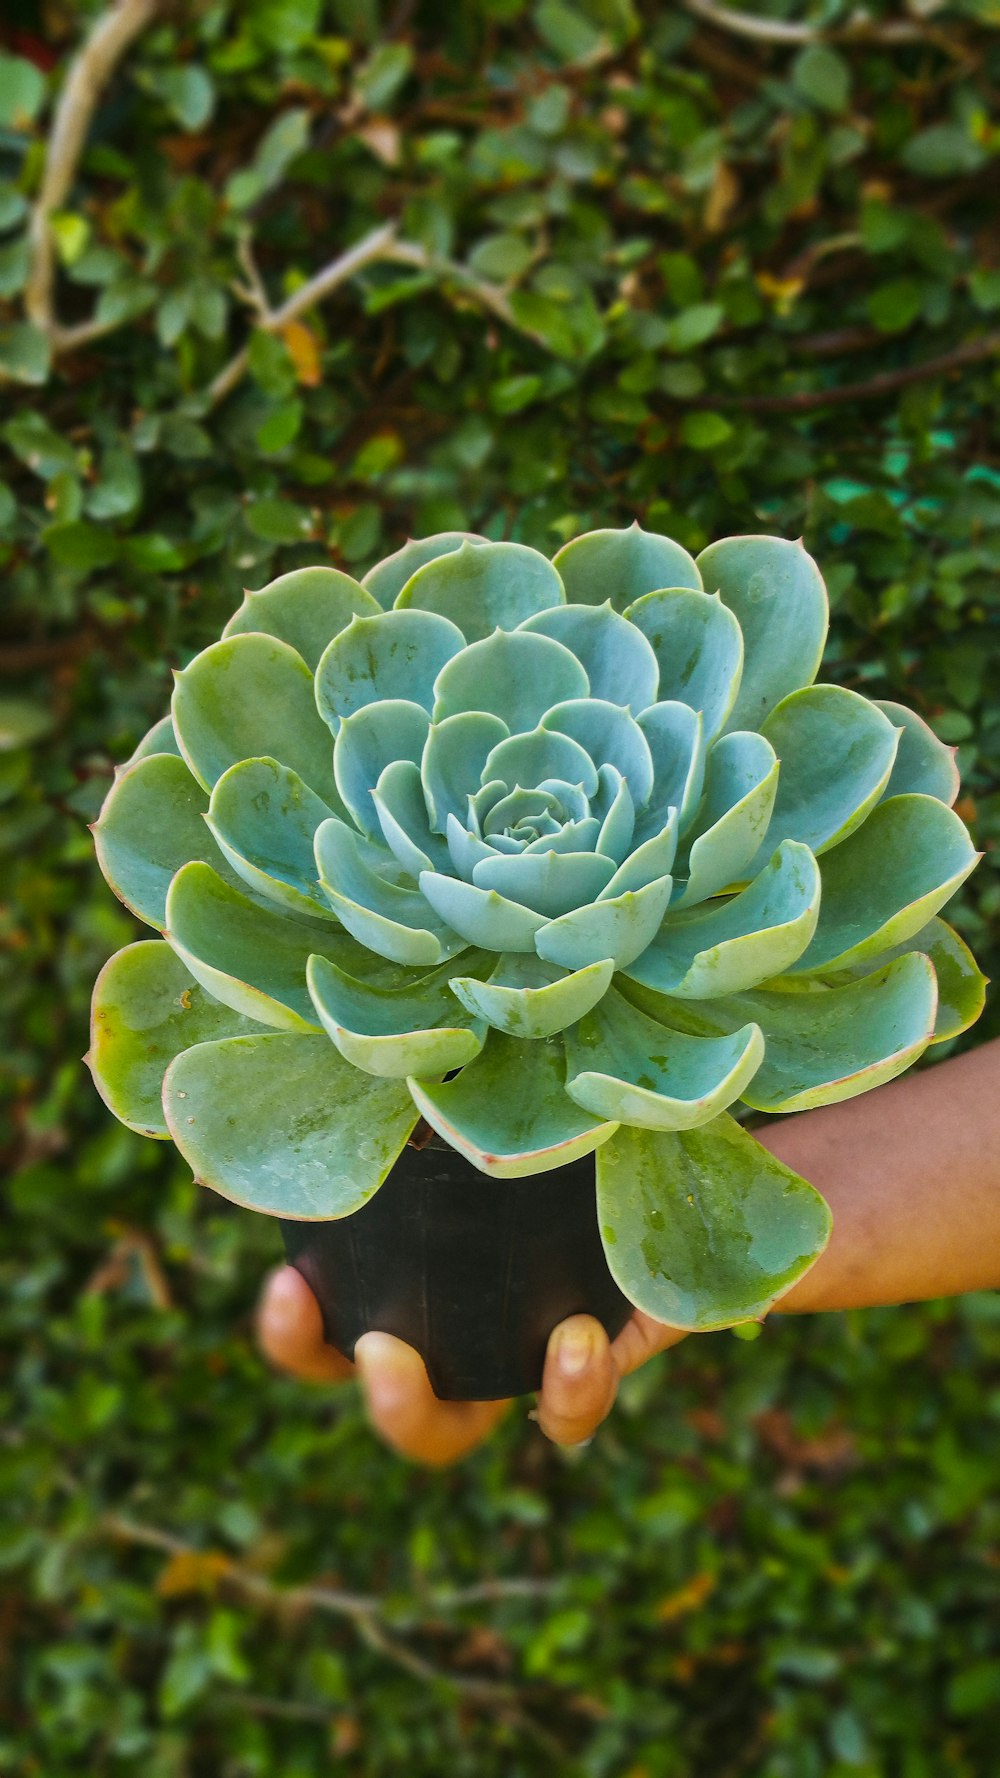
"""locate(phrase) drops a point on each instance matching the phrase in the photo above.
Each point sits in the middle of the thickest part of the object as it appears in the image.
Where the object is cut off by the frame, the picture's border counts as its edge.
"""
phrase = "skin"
(910, 1171)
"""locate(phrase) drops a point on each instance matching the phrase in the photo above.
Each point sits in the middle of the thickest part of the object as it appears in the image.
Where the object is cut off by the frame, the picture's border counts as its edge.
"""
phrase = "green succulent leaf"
(452, 764)
(620, 928)
(264, 817)
(649, 863)
(525, 997)
(527, 759)
(388, 578)
(675, 736)
(724, 947)
(152, 822)
(282, 1124)
(513, 675)
(250, 957)
(698, 646)
(704, 1228)
(886, 881)
(482, 916)
(508, 1111)
(248, 697)
(622, 1064)
(960, 982)
(402, 812)
(483, 587)
(610, 736)
(305, 608)
(922, 763)
(159, 739)
(741, 782)
(394, 655)
(617, 659)
(549, 883)
(146, 1009)
(622, 565)
(390, 917)
(835, 753)
(777, 594)
(376, 736)
(395, 1032)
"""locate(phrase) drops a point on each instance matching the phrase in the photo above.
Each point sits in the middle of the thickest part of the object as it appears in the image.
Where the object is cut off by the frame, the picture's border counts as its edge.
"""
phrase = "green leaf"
(620, 928)
(887, 880)
(394, 1032)
(777, 594)
(250, 957)
(376, 736)
(285, 138)
(698, 646)
(389, 916)
(705, 431)
(189, 92)
(894, 306)
(692, 327)
(960, 982)
(25, 353)
(306, 608)
(722, 948)
(501, 257)
(622, 566)
(922, 762)
(159, 739)
(22, 89)
(942, 150)
(835, 753)
(618, 661)
(22, 723)
(508, 1111)
(391, 655)
(282, 1124)
(379, 79)
(822, 76)
(146, 1009)
(704, 1228)
(264, 817)
(387, 579)
(248, 696)
(511, 674)
(741, 782)
(525, 997)
(483, 586)
(81, 545)
(624, 1065)
(153, 822)
(278, 521)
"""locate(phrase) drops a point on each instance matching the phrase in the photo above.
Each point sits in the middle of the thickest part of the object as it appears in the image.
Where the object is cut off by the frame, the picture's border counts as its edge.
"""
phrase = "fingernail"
(574, 1349)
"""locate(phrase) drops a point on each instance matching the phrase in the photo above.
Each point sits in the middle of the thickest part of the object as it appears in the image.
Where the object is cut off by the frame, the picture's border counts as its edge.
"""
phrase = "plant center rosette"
(562, 856)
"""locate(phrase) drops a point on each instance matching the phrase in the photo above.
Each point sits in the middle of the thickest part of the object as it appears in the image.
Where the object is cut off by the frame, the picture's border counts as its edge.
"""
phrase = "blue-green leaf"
(396, 654)
(484, 586)
(387, 579)
(610, 736)
(698, 646)
(777, 594)
(617, 659)
(481, 916)
(393, 1032)
(622, 1064)
(620, 928)
(249, 696)
(622, 566)
(512, 675)
(525, 997)
(151, 823)
(835, 752)
(264, 818)
(508, 1112)
(704, 1228)
(451, 767)
(305, 608)
(376, 736)
(922, 763)
(375, 900)
(741, 782)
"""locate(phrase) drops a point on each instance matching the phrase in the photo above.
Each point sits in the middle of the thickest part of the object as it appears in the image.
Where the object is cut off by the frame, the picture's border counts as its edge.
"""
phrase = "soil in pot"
(474, 1272)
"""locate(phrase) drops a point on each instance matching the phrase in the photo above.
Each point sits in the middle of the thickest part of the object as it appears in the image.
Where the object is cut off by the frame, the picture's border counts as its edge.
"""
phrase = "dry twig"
(791, 32)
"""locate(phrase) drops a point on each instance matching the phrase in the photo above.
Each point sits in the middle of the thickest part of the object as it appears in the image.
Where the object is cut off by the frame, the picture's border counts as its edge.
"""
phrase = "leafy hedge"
(618, 260)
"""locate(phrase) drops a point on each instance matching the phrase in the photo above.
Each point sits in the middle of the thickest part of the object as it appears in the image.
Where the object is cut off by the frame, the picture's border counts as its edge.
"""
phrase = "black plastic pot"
(474, 1272)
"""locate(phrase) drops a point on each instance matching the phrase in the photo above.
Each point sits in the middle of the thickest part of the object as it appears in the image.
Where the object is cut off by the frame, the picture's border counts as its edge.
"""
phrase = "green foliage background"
(779, 1559)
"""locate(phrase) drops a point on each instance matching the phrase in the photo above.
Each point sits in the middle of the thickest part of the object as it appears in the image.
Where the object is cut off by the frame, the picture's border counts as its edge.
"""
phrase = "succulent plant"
(561, 856)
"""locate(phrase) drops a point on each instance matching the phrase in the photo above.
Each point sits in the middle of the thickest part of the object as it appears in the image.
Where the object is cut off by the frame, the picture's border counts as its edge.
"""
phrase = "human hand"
(582, 1372)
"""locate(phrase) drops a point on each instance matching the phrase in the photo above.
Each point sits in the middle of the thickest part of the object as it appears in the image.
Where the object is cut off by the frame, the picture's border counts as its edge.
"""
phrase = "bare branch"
(788, 32)
(381, 245)
(88, 75)
(805, 400)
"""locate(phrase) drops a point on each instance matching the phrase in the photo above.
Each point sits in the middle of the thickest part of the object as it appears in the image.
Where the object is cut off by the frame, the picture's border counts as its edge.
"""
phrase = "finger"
(290, 1330)
(579, 1382)
(407, 1414)
(640, 1339)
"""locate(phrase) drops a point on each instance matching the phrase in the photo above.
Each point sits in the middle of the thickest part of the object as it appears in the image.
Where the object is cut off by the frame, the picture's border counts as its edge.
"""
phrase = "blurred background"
(715, 269)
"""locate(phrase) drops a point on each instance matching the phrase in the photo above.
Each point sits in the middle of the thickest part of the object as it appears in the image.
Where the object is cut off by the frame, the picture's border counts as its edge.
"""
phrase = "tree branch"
(381, 245)
(788, 32)
(805, 400)
(88, 75)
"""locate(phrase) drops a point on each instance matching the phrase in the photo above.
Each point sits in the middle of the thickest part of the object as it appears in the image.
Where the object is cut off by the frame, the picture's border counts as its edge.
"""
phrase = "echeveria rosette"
(562, 856)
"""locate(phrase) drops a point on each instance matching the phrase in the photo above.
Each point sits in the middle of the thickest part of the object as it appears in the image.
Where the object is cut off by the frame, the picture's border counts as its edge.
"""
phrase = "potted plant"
(553, 863)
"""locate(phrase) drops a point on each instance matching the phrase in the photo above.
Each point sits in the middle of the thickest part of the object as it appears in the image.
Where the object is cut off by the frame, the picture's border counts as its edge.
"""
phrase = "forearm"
(912, 1175)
